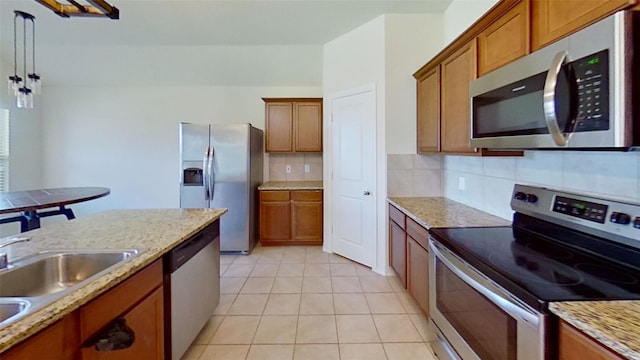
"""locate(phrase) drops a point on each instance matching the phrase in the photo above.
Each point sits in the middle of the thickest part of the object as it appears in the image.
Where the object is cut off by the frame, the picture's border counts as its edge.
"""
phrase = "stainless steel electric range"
(490, 287)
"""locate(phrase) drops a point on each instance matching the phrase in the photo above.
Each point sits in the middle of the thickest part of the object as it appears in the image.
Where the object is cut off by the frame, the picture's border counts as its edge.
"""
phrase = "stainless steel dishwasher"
(192, 288)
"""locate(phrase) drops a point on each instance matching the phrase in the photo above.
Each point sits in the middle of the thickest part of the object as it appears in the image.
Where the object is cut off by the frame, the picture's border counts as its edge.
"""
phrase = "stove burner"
(607, 273)
(530, 267)
(549, 250)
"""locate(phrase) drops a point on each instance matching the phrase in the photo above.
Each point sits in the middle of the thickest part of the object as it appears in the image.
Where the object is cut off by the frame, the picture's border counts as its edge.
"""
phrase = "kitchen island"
(154, 231)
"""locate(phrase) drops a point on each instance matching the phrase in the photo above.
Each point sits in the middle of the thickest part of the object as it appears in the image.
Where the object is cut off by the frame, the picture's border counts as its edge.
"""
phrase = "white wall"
(384, 52)
(126, 138)
(410, 41)
(353, 61)
(461, 14)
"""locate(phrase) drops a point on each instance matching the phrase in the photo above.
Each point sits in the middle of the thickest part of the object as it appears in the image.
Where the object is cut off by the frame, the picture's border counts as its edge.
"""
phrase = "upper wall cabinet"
(428, 111)
(457, 72)
(554, 19)
(293, 124)
(505, 40)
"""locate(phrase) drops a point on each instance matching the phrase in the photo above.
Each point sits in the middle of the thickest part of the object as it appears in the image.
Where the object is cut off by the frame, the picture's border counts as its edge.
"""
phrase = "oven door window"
(488, 330)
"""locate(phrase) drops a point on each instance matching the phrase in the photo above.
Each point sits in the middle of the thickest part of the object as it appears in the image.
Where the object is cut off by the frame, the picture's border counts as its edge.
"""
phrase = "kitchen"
(61, 126)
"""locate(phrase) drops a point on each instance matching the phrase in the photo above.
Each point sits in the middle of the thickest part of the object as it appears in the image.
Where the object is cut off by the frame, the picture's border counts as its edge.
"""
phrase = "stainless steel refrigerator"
(221, 167)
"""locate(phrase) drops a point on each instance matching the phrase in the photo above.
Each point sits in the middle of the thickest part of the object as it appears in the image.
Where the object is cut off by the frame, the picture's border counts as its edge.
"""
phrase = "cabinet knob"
(366, 193)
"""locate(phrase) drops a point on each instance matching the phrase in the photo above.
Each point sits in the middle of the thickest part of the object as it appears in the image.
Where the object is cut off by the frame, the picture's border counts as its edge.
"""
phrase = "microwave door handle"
(549, 99)
(212, 175)
(205, 176)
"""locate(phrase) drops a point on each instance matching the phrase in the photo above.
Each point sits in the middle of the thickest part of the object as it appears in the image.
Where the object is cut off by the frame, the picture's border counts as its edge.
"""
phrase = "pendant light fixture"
(24, 87)
(96, 8)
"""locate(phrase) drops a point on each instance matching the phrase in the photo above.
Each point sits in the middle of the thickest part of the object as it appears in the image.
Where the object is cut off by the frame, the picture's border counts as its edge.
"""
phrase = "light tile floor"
(299, 303)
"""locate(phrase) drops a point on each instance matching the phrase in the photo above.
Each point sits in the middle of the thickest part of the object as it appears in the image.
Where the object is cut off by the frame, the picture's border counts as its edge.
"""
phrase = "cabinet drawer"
(418, 233)
(101, 311)
(279, 195)
(306, 195)
(397, 216)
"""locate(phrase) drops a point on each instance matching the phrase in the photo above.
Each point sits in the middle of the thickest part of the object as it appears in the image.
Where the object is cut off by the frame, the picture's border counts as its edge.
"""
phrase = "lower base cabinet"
(291, 217)
(418, 274)
(409, 255)
(575, 345)
(137, 302)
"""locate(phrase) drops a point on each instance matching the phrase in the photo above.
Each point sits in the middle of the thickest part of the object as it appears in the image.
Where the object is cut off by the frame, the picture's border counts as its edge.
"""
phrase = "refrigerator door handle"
(205, 177)
(212, 175)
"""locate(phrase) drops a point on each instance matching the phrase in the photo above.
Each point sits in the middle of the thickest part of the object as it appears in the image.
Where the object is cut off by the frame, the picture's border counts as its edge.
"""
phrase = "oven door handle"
(493, 294)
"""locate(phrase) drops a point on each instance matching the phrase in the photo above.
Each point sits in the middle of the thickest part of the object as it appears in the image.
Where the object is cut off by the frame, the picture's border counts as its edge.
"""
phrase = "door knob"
(366, 193)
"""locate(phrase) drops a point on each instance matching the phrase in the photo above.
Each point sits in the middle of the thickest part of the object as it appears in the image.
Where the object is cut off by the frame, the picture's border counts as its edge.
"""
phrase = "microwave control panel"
(592, 77)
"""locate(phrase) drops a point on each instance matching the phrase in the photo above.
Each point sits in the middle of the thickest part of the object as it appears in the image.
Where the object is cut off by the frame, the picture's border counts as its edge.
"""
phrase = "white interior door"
(353, 137)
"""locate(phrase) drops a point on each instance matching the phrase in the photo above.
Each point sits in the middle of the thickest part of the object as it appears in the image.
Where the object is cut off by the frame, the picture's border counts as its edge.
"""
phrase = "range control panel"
(580, 209)
(582, 212)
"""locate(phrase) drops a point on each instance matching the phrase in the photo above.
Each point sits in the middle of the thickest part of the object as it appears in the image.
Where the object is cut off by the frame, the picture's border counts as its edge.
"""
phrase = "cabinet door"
(552, 20)
(574, 345)
(308, 126)
(398, 251)
(418, 273)
(146, 321)
(275, 216)
(457, 72)
(428, 111)
(307, 222)
(505, 40)
(58, 341)
(279, 127)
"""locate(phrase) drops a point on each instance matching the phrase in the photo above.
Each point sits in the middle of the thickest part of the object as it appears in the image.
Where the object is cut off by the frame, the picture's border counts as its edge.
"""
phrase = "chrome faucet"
(4, 261)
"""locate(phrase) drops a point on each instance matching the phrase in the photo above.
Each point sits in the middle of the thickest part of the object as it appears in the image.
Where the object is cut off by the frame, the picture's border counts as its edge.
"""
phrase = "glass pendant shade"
(25, 98)
(14, 83)
(34, 83)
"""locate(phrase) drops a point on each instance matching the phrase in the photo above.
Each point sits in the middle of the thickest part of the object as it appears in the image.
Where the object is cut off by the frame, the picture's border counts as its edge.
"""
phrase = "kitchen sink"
(52, 272)
(11, 308)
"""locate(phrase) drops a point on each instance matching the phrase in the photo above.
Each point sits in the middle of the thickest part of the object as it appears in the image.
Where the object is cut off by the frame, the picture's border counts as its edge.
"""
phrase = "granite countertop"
(291, 185)
(155, 231)
(442, 212)
(615, 324)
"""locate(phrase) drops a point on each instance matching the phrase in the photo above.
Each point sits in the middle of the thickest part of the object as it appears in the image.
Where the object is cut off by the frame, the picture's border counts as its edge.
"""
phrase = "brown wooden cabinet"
(418, 264)
(505, 40)
(59, 340)
(409, 256)
(575, 345)
(552, 20)
(138, 300)
(398, 244)
(291, 217)
(293, 125)
(457, 72)
(428, 111)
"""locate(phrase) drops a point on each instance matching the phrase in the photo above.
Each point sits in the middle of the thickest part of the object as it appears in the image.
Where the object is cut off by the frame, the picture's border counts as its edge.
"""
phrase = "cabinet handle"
(116, 336)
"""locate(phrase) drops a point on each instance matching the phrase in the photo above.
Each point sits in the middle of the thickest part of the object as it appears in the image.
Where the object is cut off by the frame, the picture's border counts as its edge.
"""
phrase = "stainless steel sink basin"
(11, 308)
(52, 272)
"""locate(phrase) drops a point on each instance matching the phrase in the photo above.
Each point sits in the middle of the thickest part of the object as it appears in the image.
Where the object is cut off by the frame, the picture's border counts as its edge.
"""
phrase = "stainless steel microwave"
(576, 93)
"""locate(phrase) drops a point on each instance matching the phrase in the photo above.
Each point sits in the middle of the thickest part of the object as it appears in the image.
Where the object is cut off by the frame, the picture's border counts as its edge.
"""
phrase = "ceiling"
(155, 37)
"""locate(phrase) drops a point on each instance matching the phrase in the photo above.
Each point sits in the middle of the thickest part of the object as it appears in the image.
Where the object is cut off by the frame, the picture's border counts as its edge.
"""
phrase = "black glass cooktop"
(538, 269)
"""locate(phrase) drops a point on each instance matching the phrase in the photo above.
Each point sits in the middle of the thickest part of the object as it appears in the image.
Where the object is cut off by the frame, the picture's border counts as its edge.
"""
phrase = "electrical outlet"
(307, 168)
(461, 183)
(287, 169)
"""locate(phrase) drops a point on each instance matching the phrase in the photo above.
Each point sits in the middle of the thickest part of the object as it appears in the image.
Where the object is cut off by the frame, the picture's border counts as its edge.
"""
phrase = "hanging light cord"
(33, 44)
(24, 48)
(15, 46)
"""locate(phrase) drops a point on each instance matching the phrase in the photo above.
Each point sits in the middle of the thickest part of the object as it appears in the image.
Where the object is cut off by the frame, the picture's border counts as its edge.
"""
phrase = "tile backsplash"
(297, 163)
(414, 175)
(486, 183)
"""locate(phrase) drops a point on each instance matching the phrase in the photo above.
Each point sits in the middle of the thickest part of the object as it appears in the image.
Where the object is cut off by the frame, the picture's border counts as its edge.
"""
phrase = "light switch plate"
(307, 168)
(461, 183)
(287, 169)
